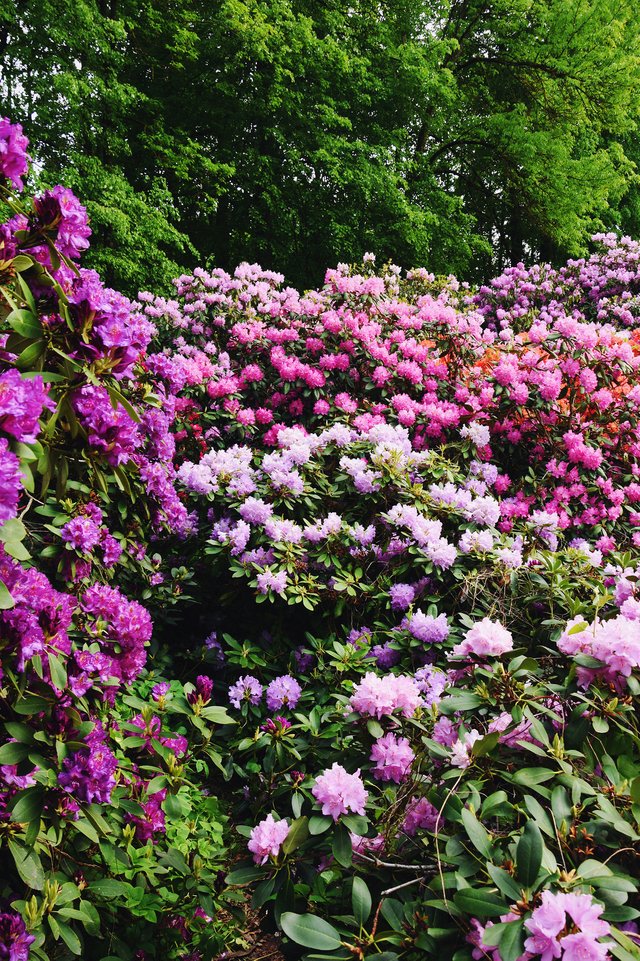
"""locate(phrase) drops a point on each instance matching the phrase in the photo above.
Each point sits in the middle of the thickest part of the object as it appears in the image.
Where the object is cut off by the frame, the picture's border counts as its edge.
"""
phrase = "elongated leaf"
(479, 904)
(318, 824)
(29, 805)
(310, 931)
(298, 832)
(6, 600)
(504, 882)
(529, 852)
(509, 937)
(342, 850)
(13, 753)
(477, 833)
(244, 875)
(361, 900)
(28, 865)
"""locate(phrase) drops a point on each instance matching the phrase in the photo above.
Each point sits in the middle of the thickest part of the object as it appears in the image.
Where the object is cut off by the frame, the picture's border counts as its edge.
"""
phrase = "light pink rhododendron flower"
(393, 757)
(267, 838)
(376, 696)
(340, 792)
(487, 638)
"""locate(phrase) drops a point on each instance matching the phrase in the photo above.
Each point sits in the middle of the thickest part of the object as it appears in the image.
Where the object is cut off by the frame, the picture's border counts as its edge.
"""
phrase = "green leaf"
(217, 715)
(244, 876)
(479, 903)
(28, 806)
(70, 938)
(109, 888)
(310, 931)
(298, 833)
(13, 753)
(485, 744)
(6, 600)
(531, 776)
(529, 851)
(58, 671)
(28, 865)
(508, 937)
(21, 262)
(477, 833)
(460, 701)
(540, 816)
(341, 847)
(25, 323)
(374, 728)
(504, 882)
(392, 912)
(361, 900)
(318, 824)
(357, 823)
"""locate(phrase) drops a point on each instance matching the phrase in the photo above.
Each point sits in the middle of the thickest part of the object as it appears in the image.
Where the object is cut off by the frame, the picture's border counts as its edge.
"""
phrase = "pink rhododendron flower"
(486, 638)
(267, 838)
(569, 925)
(339, 792)
(393, 757)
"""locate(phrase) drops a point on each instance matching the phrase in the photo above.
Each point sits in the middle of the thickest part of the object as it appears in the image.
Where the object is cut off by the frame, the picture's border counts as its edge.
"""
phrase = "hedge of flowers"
(386, 535)
(110, 843)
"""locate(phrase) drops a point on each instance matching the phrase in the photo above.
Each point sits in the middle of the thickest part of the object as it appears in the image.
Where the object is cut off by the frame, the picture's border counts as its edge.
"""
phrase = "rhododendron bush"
(106, 843)
(386, 534)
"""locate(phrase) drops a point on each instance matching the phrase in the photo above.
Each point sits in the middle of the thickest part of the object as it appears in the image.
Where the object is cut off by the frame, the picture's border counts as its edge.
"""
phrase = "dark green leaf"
(529, 851)
(310, 931)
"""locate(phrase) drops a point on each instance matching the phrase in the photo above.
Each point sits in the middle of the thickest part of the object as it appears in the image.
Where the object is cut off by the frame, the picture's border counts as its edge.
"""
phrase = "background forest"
(461, 134)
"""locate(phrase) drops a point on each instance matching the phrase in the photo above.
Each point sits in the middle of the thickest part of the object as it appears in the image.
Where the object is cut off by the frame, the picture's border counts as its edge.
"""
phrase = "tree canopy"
(461, 135)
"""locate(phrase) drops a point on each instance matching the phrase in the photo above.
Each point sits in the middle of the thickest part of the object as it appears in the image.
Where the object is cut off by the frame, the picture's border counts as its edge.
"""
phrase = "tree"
(457, 134)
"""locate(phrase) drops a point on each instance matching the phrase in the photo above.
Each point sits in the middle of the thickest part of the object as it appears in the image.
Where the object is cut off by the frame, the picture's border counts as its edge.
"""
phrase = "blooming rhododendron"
(567, 926)
(13, 153)
(246, 688)
(339, 792)
(376, 696)
(486, 638)
(283, 692)
(267, 838)
(393, 757)
(14, 938)
(614, 642)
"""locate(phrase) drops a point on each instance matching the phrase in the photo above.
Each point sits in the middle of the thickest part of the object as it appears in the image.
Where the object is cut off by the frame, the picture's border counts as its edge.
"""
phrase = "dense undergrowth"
(323, 600)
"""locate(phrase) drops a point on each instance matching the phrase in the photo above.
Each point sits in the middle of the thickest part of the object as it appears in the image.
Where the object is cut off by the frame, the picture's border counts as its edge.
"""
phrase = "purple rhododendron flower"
(10, 482)
(401, 596)
(426, 628)
(375, 696)
(22, 401)
(246, 688)
(420, 813)
(13, 153)
(160, 690)
(14, 938)
(202, 692)
(89, 775)
(283, 692)
(61, 208)
(82, 533)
